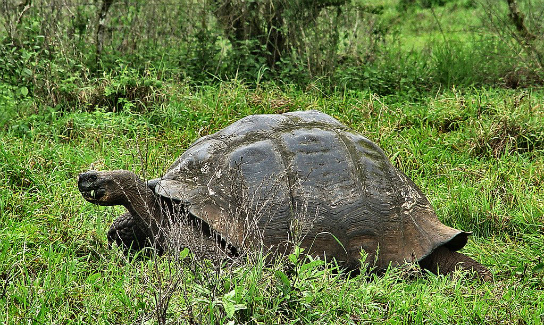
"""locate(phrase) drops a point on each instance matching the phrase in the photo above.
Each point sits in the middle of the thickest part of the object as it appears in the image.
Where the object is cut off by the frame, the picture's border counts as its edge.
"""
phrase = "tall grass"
(55, 265)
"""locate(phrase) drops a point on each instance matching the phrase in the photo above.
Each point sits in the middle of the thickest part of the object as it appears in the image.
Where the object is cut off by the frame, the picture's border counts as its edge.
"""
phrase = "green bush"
(337, 44)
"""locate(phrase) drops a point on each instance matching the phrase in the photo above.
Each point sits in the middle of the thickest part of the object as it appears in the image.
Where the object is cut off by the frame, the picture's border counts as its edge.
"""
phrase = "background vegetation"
(451, 89)
(54, 49)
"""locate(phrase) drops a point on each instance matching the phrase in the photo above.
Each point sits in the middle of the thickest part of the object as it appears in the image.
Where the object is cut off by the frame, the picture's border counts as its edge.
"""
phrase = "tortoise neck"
(145, 207)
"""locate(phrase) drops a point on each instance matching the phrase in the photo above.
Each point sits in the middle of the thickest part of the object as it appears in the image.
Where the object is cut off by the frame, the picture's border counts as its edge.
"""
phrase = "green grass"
(478, 154)
(476, 151)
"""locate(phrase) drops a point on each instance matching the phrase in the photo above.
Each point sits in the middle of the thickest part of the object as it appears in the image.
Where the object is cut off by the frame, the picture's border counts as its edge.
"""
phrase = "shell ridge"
(286, 159)
(355, 169)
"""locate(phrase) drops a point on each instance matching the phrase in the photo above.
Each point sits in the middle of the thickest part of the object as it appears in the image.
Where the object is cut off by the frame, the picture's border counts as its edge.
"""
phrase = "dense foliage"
(53, 48)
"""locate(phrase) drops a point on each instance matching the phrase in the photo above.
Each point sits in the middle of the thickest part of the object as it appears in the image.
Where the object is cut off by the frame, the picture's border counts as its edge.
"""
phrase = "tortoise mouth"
(92, 195)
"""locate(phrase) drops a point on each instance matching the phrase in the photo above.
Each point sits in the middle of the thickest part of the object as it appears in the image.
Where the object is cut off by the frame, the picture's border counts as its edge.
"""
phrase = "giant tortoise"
(274, 181)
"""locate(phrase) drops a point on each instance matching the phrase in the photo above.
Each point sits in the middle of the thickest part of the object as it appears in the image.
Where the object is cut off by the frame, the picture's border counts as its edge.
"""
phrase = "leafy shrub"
(404, 5)
(52, 55)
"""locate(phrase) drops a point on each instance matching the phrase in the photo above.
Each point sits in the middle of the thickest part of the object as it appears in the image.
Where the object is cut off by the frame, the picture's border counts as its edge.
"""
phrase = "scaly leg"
(445, 261)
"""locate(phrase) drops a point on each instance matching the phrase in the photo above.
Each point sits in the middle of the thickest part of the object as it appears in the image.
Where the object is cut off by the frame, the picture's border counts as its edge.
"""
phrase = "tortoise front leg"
(127, 235)
(445, 261)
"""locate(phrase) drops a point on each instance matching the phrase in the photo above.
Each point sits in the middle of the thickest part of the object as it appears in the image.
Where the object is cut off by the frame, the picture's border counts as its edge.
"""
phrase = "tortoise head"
(108, 187)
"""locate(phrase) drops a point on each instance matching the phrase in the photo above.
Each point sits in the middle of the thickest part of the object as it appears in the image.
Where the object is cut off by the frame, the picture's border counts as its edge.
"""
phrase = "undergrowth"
(476, 153)
(388, 47)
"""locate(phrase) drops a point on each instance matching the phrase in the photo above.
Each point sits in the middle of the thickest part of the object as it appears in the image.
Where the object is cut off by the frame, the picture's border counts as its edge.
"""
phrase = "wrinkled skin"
(124, 188)
(126, 234)
(148, 219)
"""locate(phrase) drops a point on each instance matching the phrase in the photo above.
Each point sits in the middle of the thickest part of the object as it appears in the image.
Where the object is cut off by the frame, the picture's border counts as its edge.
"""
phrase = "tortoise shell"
(305, 178)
